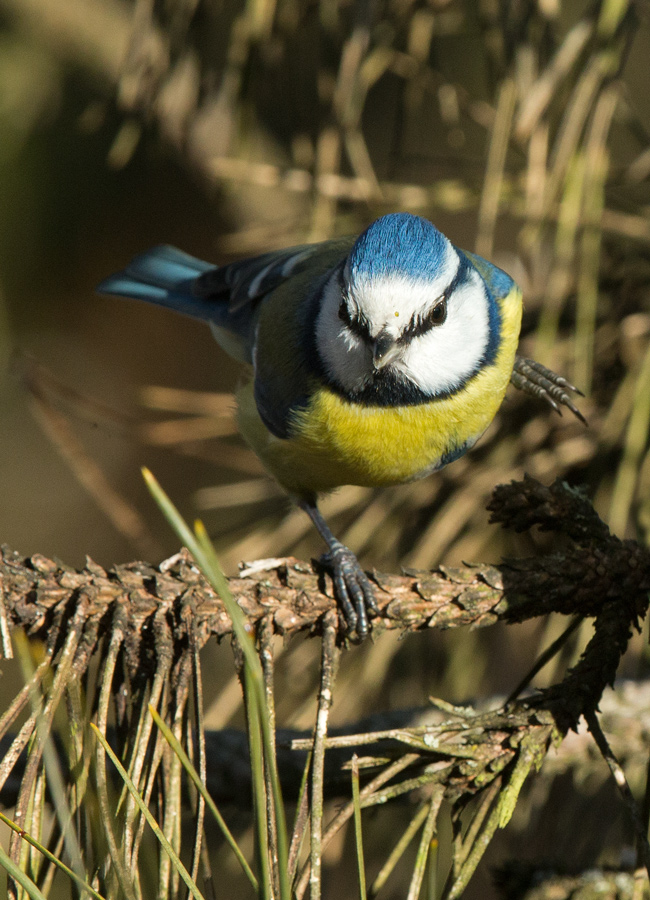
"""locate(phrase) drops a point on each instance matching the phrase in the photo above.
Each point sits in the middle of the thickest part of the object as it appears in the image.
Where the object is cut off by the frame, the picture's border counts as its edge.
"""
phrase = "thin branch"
(329, 661)
(643, 848)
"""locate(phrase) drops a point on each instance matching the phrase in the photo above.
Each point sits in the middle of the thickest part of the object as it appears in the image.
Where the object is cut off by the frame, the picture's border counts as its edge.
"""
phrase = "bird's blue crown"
(398, 243)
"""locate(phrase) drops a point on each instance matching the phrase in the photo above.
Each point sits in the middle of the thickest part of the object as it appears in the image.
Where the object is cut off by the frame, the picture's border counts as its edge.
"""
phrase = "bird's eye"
(438, 314)
(344, 313)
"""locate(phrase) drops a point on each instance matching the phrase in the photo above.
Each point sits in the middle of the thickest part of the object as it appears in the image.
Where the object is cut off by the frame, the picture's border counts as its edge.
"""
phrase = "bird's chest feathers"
(387, 445)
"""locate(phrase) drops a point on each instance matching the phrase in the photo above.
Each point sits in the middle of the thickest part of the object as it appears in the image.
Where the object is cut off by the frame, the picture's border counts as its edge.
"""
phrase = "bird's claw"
(535, 379)
(352, 588)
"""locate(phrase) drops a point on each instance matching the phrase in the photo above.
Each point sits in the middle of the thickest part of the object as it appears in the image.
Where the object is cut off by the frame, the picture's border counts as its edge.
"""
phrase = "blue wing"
(169, 277)
(227, 297)
(249, 280)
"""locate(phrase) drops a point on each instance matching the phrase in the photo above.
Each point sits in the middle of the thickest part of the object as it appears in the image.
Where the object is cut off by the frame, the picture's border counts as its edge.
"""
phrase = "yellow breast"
(335, 442)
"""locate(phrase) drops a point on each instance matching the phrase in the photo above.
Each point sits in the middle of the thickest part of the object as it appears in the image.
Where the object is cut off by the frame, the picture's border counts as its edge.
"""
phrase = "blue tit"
(375, 360)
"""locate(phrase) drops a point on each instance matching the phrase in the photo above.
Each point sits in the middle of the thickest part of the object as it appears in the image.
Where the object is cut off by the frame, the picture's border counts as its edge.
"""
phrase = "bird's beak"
(384, 349)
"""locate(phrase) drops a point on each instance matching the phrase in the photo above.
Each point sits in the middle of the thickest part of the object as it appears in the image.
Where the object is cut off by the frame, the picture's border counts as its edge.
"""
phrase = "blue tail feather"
(163, 275)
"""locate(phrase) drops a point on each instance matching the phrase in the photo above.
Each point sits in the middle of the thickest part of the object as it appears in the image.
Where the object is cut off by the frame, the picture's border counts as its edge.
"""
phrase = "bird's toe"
(353, 589)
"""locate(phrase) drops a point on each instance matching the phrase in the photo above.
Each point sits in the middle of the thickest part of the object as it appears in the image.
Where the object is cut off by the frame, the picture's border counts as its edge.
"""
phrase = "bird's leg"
(352, 587)
(534, 378)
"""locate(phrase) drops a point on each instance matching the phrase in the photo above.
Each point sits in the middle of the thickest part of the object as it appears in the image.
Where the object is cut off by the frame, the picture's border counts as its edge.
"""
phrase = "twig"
(329, 660)
(643, 848)
(545, 657)
(348, 810)
(265, 638)
(5, 637)
(301, 821)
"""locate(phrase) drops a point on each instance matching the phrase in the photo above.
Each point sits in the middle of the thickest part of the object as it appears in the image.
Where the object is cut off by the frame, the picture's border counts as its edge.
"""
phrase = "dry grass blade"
(200, 785)
(44, 715)
(464, 843)
(634, 447)
(169, 873)
(546, 87)
(494, 171)
(50, 771)
(169, 850)
(399, 848)
(358, 830)
(140, 744)
(120, 511)
(597, 168)
(301, 821)
(425, 844)
(367, 793)
(197, 737)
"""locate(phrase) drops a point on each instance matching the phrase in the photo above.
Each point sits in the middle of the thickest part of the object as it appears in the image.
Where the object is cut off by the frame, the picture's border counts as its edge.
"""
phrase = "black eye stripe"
(419, 325)
(358, 324)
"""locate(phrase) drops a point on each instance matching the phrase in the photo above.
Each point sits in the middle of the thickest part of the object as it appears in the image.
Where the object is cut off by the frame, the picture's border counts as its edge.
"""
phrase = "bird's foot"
(535, 379)
(352, 588)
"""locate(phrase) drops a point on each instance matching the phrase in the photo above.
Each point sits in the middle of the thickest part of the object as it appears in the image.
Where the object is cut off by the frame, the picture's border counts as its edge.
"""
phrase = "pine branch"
(596, 575)
(144, 623)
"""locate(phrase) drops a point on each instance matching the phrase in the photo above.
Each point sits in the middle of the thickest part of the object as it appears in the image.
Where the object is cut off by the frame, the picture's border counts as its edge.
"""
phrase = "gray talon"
(352, 588)
(535, 379)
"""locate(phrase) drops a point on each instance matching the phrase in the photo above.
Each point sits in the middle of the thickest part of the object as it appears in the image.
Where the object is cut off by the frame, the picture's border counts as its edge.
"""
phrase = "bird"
(375, 360)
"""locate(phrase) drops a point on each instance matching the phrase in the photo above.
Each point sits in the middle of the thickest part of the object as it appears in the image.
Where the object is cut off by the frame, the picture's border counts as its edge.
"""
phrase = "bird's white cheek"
(443, 358)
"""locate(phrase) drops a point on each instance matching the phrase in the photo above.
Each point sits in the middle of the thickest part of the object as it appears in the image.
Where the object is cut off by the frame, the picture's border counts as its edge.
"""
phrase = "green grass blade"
(432, 870)
(174, 743)
(256, 681)
(200, 546)
(167, 847)
(259, 788)
(201, 549)
(53, 859)
(207, 559)
(19, 876)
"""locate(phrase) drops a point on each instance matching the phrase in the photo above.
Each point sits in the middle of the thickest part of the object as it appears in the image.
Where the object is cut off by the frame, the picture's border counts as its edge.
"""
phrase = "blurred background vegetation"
(522, 129)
